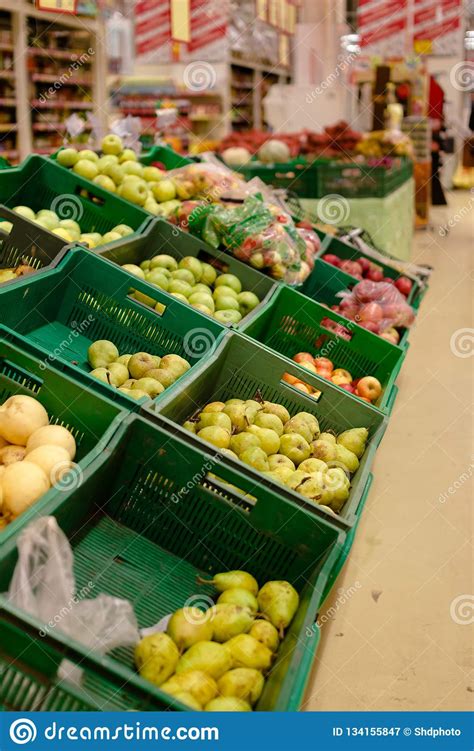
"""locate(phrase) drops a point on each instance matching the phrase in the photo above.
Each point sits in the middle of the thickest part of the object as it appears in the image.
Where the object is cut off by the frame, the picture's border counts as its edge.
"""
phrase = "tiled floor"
(402, 640)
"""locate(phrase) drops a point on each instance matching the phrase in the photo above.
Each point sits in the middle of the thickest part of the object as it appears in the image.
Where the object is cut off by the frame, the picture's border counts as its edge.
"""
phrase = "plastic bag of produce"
(43, 584)
(378, 306)
(207, 180)
(260, 234)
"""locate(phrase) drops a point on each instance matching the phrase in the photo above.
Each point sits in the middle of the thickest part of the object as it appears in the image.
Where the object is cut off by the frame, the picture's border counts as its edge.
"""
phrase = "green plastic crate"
(359, 180)
(27, 243)
(29, 673)
(297, 175)
(41, 183)
(323, 285)
(241, 368)
(166, 156)
(162, 237)
(293, 323)
(62, 311)
(149, 517)
(347, 252)
(91, 418)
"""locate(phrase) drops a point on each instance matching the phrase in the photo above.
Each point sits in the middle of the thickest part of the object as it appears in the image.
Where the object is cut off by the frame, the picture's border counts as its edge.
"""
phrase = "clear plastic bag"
(43, 584)
(377, 305)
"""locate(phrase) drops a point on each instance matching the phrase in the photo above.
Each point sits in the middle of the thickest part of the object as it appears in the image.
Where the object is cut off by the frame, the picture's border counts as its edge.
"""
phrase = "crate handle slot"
(238, 497)
(20, 376)
(88, 195)
(147, 307)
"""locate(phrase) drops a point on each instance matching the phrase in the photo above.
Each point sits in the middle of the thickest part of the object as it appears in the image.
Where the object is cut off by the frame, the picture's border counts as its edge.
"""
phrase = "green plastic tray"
(166, 156)
(293, 323)
(29, 666)
(150, 516)
(297, 175)
(162, 237)
(323, 285)
(27, 243)
(60, 312)
(38, 181)
(91, 418)
(354, 180)
(348, 252)
(240, 368)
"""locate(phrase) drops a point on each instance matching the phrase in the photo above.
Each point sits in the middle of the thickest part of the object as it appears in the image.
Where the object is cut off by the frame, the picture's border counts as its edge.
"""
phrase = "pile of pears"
(217, 659)
(196, 283)
(290, 450)
(138, 375)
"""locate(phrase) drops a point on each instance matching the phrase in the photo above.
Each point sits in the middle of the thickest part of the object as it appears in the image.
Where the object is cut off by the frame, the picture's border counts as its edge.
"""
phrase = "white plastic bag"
(43, 585)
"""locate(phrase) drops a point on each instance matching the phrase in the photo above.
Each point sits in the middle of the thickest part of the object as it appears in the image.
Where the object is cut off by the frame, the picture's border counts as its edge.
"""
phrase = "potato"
(10, 454)
(53, 460)
(52, 435)
(22, 484)
(3, 442)
(20, 416)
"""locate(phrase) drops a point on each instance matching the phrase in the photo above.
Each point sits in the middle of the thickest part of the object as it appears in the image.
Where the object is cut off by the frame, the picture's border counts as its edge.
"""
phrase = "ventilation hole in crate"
(20, 376)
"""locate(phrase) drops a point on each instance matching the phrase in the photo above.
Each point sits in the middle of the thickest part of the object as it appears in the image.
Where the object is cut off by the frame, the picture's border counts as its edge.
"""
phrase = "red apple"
(355, 382)
(404, 285)
(364, 399)
(388, 280)
(339, 380)
(369, 387)
(332, 259)
(371, 312)
(393, 332)
(351, 267)
(327, 374)
(343, 372)
(323, 363)
(302, 387)
(303, 357)
(347, 387)
(365, 263)
(308, 366)
(370, 326)
(388, 337)
(375, 275)
(288, 378)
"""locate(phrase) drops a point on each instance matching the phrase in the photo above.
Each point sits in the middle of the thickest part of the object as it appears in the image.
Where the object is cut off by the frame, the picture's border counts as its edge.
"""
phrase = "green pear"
(313, 465)
(266, 633)
(242, 441)
(354, 440)
(156, 657)
(208, 656)
(229, 620)
(102, 374)
(280, 460)
(238, 416)
(279, 601)
(214, 407)
(166, 376)
(185, 698)
(187, 626)
(178, 363)
(338, 486)
(207, 419)
(247, 652)
(150, 385)
(280, 474)
(219, 437)
(141, 362)
(118, 374)
(323, 449)
(297, 478)
(232, 580)
(190, 425)
(239, 596)
(346, 457)
(243, 683)
(101, 353)
(195, 682)
(271, 422)
(312, 487)
(328, 437)
(123, 360)
(269, 439)
(227, 704)
(277, 409)
(311, 421)
(255, 457)
(295, 447)
(300, 427)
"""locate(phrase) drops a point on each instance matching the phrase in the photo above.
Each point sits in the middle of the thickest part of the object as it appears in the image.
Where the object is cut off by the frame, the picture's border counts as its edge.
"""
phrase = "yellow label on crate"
(57, 6)
(180, 20)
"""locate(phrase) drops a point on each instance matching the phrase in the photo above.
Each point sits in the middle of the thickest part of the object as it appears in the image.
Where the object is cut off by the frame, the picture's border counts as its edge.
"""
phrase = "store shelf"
(8, 102)
(62, 104)
(7, 74)
(8, 127)
(53, 77)
(59, 54)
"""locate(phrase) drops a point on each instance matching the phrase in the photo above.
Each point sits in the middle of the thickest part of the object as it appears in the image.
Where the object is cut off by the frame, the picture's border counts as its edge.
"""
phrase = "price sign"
(57, 6)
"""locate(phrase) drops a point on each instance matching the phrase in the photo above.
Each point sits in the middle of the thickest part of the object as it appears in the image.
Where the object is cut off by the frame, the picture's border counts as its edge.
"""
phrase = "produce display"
(70, 230)
(34, 455)
(216, 660)
(362, 268)
(288, 449)
(6, 275)
(197, 283)
(137, 375)
(378, 307)
(367, 388)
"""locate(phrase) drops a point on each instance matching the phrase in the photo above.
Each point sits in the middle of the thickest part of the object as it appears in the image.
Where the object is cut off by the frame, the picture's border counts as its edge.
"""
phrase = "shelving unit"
(50, 76)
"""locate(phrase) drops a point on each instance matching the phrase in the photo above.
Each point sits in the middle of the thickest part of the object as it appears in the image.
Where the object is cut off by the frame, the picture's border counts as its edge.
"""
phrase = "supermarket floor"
(399, 637)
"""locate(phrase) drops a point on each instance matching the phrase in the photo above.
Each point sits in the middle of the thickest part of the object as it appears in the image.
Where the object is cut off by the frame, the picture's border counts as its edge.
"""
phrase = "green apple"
(216, 435)
(133, 269)
(92, 239)
(101, 353)
(201, 298)
(229, 280)
(167, 262)
(49, 219)
(106, 161)
(115, 172)
(164, 190)
(209, 274)
(150, 385)
(118, 373)
(224, 292)
(141, 362)
(89, 155)
(67, 157)
(202, 308)
(189, 263)
(25, 211)
(227, 316)
(123, 360)
(152, 174)
(247, 302)
(203, 288)
(123, 229)
(158, 279)
(145, 265)
(71, 226)
(43, 223)
(132, 168)
(6, 226)
(86, 168)
(177, 285)
(184, 275)
(133, 191)
(152, 206)
(224, 302)
(255, 457)
(182, 298)
(112, 144)
(105, 182)
(127, 155)
(63, 234)
(110, 237)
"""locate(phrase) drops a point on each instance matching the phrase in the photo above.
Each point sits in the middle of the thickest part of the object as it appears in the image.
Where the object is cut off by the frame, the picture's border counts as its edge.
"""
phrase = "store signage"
(180, 21)
(57, 6)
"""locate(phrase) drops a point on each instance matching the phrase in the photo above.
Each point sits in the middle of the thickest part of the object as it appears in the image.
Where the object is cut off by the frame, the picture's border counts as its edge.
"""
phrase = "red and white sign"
(437, 26)
(382, 26)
